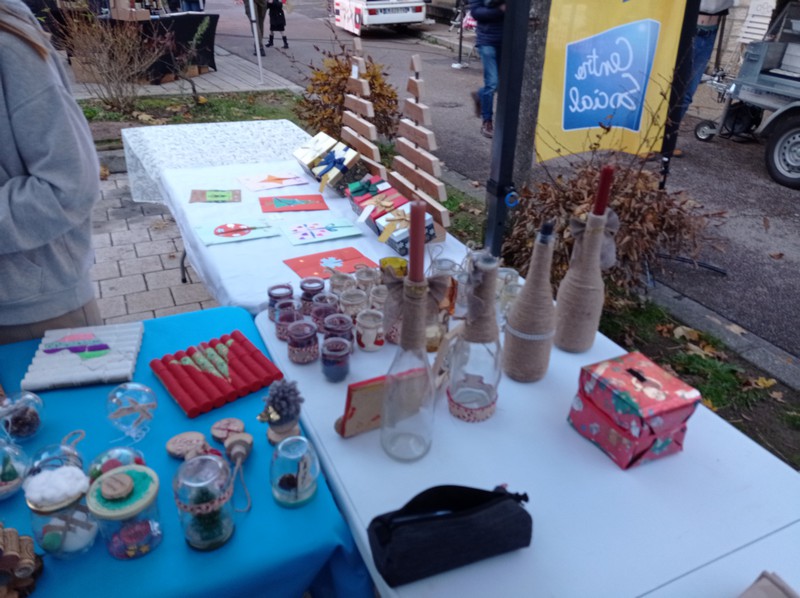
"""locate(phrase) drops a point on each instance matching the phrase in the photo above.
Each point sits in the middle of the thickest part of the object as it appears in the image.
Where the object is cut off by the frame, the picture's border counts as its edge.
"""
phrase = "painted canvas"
(245, 229)
(215, 196)
(268, 181)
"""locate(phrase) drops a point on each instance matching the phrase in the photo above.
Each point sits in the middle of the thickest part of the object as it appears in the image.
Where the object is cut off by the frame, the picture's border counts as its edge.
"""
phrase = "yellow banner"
(607, 74)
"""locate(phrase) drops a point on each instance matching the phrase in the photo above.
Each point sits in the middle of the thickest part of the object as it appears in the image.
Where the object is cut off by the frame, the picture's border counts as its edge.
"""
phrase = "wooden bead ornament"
(180, 445)
(224, 428)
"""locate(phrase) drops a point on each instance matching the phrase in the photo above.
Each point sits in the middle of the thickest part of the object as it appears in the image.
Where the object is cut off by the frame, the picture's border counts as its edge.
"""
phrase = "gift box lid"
(637, 394)
(314, 147)
(384, 202)
(366, 188)
(398, 221)
(335, 161)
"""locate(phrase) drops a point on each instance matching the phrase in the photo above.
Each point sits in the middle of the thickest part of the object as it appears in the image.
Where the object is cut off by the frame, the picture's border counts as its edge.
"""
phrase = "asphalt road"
(758, 246)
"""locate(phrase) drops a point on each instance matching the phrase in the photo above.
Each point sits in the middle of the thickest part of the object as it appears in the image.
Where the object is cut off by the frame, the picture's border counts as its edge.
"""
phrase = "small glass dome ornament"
(14, 465)
(21, 415)
(54, 491)
(130, 409)
(123, 501)
(294, 472)
(118, 456)
(203, 487)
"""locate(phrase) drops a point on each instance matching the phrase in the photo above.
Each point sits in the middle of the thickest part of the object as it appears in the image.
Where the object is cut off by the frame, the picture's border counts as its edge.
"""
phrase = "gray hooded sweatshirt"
(49, 181)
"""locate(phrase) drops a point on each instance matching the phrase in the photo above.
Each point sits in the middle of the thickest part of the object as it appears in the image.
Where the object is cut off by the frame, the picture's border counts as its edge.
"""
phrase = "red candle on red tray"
(603, 190)
(416, 245)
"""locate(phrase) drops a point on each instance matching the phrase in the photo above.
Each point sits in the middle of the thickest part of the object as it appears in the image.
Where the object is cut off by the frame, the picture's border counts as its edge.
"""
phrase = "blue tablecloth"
(274, 551)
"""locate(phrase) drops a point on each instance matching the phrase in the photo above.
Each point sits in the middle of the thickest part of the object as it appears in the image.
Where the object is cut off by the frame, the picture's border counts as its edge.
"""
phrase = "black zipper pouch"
(446, 527)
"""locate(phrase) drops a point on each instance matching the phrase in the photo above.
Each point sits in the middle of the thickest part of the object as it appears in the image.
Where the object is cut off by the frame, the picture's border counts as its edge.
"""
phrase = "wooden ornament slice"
(225, 427)
(116, 486)
(181, 444)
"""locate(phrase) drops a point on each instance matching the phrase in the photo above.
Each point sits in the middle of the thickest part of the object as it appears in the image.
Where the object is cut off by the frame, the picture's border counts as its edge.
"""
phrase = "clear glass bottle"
(294, 472)
(475, 363)
(123, 501)
(408, 403)
(277, 293)
(203, 487)
(303, 342)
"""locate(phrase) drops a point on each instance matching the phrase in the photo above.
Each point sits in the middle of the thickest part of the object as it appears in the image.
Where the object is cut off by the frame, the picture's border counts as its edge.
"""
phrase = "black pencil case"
(446, 527)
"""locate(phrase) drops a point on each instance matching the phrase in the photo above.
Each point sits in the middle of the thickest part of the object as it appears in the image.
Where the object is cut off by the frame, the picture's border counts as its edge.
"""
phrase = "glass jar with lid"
(277, 293)
(339, 326)
(311, 286)
(203, 487)
(353, 301)
(303, 342)
(369, 330)
(123, 501)
(21, 415)
(294, 472)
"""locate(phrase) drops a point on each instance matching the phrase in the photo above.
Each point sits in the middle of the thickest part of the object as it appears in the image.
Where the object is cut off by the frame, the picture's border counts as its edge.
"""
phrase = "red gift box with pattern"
(632, 409)
(376, 192)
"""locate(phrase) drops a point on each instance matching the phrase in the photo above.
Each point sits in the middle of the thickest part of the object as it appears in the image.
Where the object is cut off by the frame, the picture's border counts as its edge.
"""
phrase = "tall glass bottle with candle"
(531, 322)
(408, 403)
(475, 364)
(580, 297)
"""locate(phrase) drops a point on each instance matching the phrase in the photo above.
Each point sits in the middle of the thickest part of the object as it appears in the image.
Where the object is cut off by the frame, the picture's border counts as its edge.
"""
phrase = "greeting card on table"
(292, 203)
(266, 182)
(230, 232)
(320, 264)
(215, 196)
(322, 230)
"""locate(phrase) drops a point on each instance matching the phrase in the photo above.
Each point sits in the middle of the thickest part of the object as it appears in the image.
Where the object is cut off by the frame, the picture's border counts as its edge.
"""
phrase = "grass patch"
(720, 383)
(223, 107)
(792, 419)
(468, 216)
(634, 321)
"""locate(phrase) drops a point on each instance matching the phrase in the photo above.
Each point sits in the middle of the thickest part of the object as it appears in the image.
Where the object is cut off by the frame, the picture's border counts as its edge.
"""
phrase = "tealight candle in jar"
(335, 359)
(369, 330)
(277, 293)
(366, 278)
(378, 296)
(303, 342)
(323, 305)
(353, 301)
(286, 312)
(340, 326)
(310, 286)
(123, 501)
(340, 282)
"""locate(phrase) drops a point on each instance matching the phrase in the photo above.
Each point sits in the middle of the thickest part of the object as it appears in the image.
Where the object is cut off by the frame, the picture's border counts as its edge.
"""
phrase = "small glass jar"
(310, 286)
(21, 415)
(366, 278)
(286, 312)
(117, 456)
(505, 276)
(277, 293)
(203, 487)
(336, 358)
(303, 342)
(378, 296)
(14, 465)
(123, 501)
(323, 305)
(507, 297)
(294, 472)
(369, 330)
(340, 326)
(444, 267)
(340, 282)
(353, 301)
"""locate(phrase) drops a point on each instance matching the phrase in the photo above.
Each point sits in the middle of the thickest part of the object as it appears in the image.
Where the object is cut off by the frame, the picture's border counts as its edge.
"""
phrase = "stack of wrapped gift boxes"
(386, 211)
(330, 162)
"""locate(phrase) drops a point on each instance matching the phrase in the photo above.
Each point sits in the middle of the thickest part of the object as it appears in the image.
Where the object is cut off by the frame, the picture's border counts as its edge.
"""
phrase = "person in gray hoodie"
(49, 181)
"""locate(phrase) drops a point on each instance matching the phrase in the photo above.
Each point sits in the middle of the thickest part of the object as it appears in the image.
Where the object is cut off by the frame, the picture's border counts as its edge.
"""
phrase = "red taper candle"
(416, 245)
(603, 190)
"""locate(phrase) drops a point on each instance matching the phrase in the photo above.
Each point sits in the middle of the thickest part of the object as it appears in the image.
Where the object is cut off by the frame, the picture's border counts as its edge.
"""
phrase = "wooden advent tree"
(357, 131)
(415, 168)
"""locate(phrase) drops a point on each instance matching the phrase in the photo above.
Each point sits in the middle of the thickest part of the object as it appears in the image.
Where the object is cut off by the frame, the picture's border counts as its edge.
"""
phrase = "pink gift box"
(632, 409)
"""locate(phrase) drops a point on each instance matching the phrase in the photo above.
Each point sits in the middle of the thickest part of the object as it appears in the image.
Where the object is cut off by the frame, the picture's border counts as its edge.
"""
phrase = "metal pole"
(500, 190)
(254, 26)
(460, 10)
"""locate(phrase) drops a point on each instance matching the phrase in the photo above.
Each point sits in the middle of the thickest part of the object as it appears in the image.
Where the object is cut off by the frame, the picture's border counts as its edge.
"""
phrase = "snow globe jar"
(123, 501)
(294, 472)
(14, 464)
(203, 488)
(21, 415)
(55, 489)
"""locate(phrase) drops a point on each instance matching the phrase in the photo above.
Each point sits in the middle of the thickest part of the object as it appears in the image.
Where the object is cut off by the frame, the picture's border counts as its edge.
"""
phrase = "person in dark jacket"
(490, 15)
(277, 22)
(260, 7)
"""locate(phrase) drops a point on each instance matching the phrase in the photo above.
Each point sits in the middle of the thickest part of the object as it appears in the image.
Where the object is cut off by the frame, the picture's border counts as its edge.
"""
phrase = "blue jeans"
(702, 48)
(490, 58)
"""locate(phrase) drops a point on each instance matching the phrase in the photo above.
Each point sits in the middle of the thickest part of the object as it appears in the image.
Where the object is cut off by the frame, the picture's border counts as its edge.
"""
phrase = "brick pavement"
(137, 259)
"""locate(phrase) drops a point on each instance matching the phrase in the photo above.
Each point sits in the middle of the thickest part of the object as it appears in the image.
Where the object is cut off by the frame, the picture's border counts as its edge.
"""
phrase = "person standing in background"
(277, 22)
(489, 15)
(49, 182)
(261, 14)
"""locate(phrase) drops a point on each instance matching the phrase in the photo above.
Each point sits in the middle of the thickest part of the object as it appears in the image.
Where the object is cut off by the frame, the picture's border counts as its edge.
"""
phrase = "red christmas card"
(292, 203)
(320, 264)
(214, 373)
